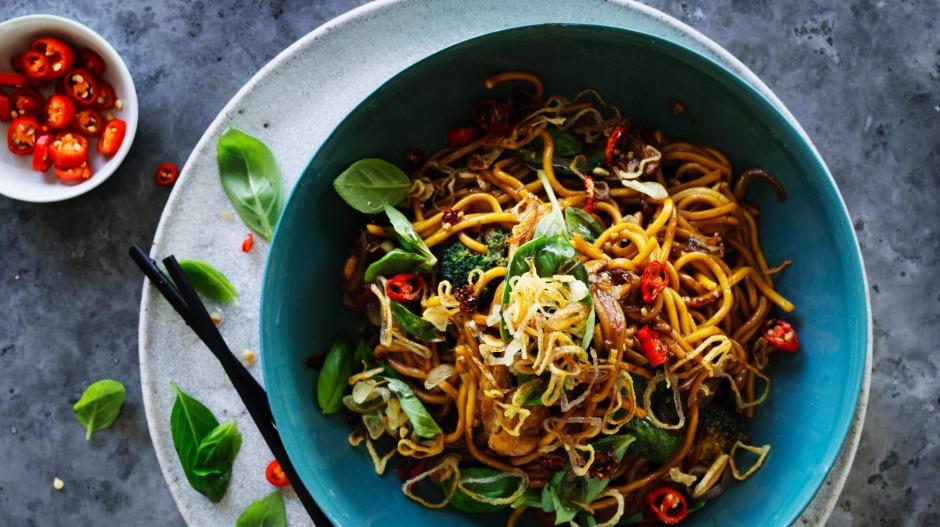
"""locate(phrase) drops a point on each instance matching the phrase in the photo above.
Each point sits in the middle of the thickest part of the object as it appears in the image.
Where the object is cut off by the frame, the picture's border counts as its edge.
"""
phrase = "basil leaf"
(99, 406)
(557, 257)
(209, 281)
(368, 185)
(268, 511)
(332, 384)
(251, 180)
(365, 353)
(553, 223)
(498, 489)
(421, 420)
(398, 261)
(652, 443)
(566, 144)
(407, 236)
(217, 451)
(190, 423)
(580, 222)
(413, 324)
(518, 265)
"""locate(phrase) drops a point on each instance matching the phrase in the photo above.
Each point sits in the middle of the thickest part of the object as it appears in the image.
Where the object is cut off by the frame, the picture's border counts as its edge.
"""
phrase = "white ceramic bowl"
(17, 178)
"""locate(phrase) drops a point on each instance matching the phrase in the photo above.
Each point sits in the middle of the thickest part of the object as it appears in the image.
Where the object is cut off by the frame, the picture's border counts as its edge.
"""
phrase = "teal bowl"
(814, 392)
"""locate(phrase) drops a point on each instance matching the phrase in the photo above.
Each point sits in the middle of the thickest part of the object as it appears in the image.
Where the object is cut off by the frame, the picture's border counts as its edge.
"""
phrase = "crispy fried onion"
(672, 382)
(367, 396)
(447, 467)
(709, 479)
(714, 350)
(761, 453)
(385, 331)
(438, 375)
(623, 388)
(357, 437)
(608, 493)
(515, 473)
(418, 447)
(739, 399)
(575, 443)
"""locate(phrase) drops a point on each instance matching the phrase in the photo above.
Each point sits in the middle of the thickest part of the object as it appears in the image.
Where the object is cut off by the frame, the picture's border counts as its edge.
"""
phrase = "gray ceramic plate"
(328, 73)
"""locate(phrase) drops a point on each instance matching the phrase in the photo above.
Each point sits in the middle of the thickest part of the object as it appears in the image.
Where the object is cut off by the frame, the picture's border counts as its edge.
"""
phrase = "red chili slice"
(655, 280)
(668, 505)
(26, 101)
(41, 158)
(92, 62)
(109, 142)
(22, 135)
(462, 136)
(781, 335)
(60, 55)
(248, 242)
(69, 150)
(88, 122)
(590, 194)
(106, 97)
(404, 287)
(16, 62)
(58, 112)
(167, 174)
(275, 474)
(612, 142)
(653, 346)
(14, 80)
(73, 175)
(36, 66)
(493, 116)
(81, 86)
(4, 108)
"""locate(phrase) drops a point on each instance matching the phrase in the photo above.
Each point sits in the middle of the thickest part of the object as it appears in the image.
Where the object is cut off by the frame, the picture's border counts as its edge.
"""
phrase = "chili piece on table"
(22, 135)
(781, 335)
(42, 159)
(109, 142)
(58, 53)
(68, 150)
(655, 279)
(654, 348)
(404, 287)
(275, 475)
(247, 242)
(167, 174)
(58, 112)
(668, 505)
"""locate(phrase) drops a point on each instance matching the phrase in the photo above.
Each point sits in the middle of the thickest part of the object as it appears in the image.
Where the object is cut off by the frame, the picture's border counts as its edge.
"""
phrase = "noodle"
(594, 303)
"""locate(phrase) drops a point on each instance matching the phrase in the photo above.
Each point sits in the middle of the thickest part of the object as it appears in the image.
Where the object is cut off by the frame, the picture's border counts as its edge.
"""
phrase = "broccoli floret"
(722, 428)
(457, 260)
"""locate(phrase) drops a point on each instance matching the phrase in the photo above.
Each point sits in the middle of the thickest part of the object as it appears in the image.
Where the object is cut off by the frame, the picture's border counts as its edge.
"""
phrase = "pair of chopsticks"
(182, 296)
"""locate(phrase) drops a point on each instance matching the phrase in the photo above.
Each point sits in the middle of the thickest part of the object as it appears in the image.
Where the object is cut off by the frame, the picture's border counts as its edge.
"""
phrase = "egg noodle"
(602, 363)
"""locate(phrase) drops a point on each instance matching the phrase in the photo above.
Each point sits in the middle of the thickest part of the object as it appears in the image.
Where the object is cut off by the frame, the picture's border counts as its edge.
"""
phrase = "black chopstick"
(184, 299)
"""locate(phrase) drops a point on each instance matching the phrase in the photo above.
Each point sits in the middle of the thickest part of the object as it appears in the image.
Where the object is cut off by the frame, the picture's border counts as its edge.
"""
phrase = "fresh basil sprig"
(424, 425)
(268, 511)
(99, 406)
(205, 449)
(553, 223)
(332, 384)
(369, 185)
(251, 179)
(414, 256)
(209, 281)
(580, 222)
(652, 443)
(415, 325)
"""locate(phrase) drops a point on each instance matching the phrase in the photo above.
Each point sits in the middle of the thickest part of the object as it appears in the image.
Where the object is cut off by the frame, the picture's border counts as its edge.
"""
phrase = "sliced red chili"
(14, 80)
(42, 160)
(58, 111)
(16, 62)
(655, 280)
(4, 108)
(73, 175)
(612, 143)
(106, 97)
(81, 86)
(69, 149)
(247, 242)
(22, 135)
(60, 55)
(781, 335)
(36, 66)
(653, 346)
(109, 142)
(26, 101)
(275, 474)
(92, 62)
(167, 174)
(493, 116)
(462, 136)
(88, 122)
(404, 287)
(590, 194)
(668, 505)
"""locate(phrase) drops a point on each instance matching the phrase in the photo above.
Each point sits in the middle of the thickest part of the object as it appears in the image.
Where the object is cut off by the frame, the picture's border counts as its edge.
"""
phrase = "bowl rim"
(858, 380)
(129, 114)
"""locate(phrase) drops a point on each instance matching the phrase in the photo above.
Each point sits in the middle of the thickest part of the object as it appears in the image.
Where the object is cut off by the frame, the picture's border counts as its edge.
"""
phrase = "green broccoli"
(457, 260)
(722, 427)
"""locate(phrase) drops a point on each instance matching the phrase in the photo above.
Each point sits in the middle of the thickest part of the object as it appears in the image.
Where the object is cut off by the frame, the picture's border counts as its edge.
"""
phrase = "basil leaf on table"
(268, 511)
(209, 281)
(251, 179)
(413, 324)
(421, 420)
(332, 384)
(190, 424)
(398, 261)
(99, 406)
(368, 185)
(580, 222)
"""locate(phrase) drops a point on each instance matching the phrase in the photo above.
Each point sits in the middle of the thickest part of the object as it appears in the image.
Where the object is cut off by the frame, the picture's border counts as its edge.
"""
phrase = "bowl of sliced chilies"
(68, 109)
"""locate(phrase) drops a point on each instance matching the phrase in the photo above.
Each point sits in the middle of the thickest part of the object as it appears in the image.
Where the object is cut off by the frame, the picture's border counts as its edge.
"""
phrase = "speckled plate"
(340, 63)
